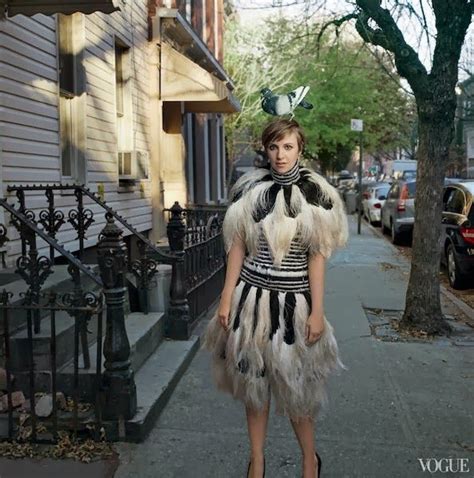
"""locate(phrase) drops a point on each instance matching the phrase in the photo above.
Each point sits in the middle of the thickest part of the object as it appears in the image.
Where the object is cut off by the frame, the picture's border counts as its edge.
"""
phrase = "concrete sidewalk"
(398, 401)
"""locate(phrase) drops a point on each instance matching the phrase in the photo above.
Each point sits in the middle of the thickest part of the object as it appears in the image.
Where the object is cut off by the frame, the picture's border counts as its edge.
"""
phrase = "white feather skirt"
(264, 351)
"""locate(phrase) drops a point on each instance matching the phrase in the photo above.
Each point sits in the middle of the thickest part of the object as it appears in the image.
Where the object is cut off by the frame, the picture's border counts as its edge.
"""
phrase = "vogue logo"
(445, 465)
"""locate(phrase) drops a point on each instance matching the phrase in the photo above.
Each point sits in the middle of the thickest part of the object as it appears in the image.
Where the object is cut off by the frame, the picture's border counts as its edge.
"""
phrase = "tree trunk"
(423, 305)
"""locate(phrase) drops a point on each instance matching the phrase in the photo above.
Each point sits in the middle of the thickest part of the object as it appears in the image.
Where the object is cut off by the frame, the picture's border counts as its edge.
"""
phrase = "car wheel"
(396, 236)
(456, 279)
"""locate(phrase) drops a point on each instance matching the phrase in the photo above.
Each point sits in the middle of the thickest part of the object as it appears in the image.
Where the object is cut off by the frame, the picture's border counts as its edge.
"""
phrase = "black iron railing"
(196, 249)
(195, 232)
(45, 429)
(117, 382)
(35, 269)
(81, 217)
(198, 266)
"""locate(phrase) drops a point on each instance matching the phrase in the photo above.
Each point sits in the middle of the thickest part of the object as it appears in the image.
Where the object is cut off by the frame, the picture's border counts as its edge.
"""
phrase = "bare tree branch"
(452, 21)
(389, 37)
(425, 25)
(337, 22)
(395, 78)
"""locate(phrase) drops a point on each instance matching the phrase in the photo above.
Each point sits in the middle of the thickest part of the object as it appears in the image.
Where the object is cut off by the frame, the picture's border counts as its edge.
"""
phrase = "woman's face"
(283, 154)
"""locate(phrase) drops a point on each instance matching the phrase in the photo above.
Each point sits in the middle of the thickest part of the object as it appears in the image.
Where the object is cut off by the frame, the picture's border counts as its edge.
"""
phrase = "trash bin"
(351, 201)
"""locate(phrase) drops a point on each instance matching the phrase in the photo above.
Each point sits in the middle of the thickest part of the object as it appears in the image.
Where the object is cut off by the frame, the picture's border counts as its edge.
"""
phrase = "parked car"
(457, 237)
(455, 180)
(373, 200)
(398, 211)
(366, 185)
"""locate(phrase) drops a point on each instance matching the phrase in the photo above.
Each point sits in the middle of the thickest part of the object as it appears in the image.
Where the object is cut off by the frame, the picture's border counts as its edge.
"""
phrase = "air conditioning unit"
(133, 165)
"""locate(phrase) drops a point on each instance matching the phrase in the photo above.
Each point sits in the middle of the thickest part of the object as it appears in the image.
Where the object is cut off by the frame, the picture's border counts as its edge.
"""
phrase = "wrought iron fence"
(80, 216)
(45, 428)
(196, 233)
(196, 256)
(117, 381)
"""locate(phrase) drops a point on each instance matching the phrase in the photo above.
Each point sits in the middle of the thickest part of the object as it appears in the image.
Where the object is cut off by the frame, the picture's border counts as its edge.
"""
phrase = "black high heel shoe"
(248, 469)
(319, 464)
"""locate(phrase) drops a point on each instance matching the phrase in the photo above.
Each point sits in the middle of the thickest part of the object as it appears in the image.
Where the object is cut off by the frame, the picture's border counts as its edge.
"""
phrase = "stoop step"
(145, 333)
(156, 381)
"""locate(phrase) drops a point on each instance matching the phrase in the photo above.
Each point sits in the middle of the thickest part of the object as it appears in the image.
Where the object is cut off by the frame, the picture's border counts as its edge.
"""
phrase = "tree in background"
(436, 104)
(345, 80)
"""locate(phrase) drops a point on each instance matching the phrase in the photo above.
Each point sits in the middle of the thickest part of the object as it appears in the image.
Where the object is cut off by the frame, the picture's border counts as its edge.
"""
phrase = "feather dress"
(282, 219)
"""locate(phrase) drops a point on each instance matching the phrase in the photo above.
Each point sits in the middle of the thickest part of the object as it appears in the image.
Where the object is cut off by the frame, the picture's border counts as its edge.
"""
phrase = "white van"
(398, 167)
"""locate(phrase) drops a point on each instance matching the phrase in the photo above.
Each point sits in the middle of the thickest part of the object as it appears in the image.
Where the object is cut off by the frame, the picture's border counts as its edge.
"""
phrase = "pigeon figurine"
(279, 105)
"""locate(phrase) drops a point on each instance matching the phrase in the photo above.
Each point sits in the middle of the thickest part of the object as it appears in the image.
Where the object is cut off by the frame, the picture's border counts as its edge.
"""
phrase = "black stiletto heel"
(319, 464)
(248, 469)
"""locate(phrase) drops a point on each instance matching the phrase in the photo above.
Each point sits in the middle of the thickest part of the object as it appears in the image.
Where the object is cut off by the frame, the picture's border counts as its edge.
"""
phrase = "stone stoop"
(145, 333)
(19, 349)
(158, 363)
(155, 382)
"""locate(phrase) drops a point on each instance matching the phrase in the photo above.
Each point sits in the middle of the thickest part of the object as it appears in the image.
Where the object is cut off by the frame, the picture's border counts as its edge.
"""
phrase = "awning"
(185, 81)
(11, 8)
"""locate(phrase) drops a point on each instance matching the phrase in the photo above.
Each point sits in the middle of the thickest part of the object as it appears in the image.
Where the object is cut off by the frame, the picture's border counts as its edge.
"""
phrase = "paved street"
(397, 402)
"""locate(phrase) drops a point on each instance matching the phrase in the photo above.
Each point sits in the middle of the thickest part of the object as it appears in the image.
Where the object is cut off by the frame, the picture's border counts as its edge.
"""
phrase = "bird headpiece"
(285, 104)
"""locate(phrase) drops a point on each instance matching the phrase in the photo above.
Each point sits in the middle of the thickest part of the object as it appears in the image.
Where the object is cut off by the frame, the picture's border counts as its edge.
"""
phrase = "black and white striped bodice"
(292, 275)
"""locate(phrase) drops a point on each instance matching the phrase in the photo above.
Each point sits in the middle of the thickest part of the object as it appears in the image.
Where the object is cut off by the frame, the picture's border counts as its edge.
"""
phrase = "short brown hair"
(279, 128)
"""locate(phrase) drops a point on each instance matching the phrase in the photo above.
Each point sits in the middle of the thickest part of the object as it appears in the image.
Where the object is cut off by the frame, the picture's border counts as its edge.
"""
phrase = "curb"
(465, 308)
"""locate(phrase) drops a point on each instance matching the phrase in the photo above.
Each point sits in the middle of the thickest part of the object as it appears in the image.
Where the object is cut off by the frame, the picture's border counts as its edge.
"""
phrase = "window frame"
(72, 100)
(124, 114)
(456, 191)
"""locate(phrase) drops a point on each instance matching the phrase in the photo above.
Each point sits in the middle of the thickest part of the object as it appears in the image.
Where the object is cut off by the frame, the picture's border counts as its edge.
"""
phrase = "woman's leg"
(304, 431)
(257, 421)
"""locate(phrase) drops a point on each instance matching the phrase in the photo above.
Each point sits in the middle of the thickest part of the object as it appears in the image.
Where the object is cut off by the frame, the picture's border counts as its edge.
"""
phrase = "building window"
(211, 157)
(222, 160)
(188, 135)
(68, 151)
(72, 97)
(123, 107)
(189, 12)
(120, 53)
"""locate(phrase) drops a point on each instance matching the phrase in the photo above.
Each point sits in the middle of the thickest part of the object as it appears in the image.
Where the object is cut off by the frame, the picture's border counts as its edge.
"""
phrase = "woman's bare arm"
(315, 324)
(316, 266)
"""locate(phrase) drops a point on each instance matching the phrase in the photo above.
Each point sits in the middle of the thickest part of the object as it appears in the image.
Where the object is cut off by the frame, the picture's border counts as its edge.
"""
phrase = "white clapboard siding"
(29, 126)
(29, 118)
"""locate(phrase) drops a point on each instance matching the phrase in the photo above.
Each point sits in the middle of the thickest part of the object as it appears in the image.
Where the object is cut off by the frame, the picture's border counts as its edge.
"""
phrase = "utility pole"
(358, 125)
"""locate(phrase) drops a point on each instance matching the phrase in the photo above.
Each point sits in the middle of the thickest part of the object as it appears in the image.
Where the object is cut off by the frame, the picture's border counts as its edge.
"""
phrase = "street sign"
(357, 125)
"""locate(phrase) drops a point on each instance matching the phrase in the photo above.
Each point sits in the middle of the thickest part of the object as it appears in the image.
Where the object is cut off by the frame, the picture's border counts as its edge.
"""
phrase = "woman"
(270, 332)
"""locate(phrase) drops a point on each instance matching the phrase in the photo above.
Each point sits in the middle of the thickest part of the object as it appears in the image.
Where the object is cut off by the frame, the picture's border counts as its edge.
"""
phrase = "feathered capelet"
(309, 209)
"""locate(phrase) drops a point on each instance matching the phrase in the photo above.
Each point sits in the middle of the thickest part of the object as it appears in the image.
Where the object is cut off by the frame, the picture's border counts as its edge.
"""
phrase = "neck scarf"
(285, 179)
